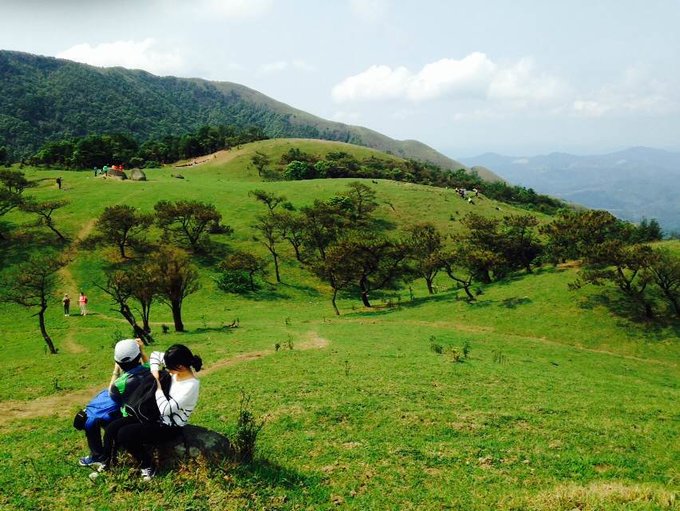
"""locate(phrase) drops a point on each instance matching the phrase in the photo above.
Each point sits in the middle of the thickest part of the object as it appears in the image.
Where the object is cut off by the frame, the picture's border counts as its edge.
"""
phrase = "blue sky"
(518, 77)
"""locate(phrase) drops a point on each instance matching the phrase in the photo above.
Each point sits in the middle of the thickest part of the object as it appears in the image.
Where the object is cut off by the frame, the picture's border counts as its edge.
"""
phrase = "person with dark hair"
(175, 408)
(130, 365)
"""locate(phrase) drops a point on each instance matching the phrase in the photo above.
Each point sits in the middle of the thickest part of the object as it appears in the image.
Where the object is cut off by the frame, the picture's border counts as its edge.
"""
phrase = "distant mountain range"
(44, 98)
(632, 184)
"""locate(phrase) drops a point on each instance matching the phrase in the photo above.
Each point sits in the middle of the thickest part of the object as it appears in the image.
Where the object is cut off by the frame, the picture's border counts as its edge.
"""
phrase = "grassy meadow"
(561, 403)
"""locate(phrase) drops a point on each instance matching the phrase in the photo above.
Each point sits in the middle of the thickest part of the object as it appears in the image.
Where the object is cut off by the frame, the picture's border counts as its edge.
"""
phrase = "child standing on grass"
(66, 301)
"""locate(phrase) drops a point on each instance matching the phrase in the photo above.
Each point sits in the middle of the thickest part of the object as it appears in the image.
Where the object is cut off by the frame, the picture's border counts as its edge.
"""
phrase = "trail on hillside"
(69, 343)
(466, 327)
(63, 405)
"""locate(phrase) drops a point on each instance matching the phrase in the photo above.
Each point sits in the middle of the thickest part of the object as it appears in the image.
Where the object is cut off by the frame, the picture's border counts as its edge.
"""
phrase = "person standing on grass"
(130, 365)
(175, 409)
(66, 301)
(82, 301)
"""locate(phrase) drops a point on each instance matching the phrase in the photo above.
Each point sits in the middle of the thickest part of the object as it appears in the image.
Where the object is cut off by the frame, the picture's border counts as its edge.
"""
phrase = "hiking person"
(130, 365)
(66, 302)
(82, 301)
(174, 407)
(59, 182)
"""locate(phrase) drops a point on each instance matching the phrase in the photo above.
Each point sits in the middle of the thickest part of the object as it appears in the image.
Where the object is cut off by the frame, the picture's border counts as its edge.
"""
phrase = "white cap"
(126, 351)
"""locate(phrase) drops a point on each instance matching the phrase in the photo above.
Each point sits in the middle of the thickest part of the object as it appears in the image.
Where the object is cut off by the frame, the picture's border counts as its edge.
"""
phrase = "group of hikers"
(148, 401)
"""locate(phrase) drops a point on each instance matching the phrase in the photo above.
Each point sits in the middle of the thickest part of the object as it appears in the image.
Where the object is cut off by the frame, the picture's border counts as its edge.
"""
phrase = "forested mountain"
(44, 98)
(632, 184)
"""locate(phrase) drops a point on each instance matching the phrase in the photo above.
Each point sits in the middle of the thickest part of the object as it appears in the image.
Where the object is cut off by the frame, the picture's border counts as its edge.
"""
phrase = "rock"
(137, 175)
(195, 442)
(117, 174)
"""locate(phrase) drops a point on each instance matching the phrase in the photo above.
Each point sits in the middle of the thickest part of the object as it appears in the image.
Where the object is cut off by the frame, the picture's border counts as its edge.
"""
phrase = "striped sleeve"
(156, 361)
(178, 406)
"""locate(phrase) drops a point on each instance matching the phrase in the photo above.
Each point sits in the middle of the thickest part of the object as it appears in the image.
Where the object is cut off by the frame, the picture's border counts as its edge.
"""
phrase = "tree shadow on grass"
(630, 315)
(20, 244)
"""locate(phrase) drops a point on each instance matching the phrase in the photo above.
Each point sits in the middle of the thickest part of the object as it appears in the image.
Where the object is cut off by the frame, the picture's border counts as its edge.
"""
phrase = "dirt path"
(63, 405)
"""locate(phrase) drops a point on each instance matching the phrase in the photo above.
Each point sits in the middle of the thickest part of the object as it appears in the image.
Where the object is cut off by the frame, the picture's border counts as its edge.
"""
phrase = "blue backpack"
(101, 407)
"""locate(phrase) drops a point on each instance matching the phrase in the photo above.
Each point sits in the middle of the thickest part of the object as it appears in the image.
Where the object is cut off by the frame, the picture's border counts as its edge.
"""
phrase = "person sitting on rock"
(175, 408)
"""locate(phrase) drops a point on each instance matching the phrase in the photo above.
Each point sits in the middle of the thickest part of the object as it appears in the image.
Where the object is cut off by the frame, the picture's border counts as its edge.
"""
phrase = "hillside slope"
(44, 98)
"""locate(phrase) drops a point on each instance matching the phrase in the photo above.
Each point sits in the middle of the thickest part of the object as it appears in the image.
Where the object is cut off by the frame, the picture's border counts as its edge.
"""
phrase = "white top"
(183, 396)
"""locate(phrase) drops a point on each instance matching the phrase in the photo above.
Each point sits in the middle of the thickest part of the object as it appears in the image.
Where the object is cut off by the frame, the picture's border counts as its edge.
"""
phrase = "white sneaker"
(148, 473)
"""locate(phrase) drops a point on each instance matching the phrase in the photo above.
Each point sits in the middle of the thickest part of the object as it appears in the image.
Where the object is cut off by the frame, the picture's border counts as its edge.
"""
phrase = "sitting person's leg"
(132, 438)
(110, 437)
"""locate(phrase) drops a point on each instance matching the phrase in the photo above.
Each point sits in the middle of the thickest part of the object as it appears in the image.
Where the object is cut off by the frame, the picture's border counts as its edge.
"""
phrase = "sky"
(517, 77)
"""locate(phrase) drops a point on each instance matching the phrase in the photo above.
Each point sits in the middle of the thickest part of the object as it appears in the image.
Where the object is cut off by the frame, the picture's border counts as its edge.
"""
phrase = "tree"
(665, 268)
(628, 267)
(271, 200)
(322, 223)
(120, 286)
(292, 228)
(482, 246)
(520, 244)
(44, 211)
(32, 284)
(425, 245)
(261, 162)
(363, 200)
(186, 221)
(245, 262)
(177, 279)
(270, 236)
(121, 225)
(369, 260)
(144, 287)
(12, 186)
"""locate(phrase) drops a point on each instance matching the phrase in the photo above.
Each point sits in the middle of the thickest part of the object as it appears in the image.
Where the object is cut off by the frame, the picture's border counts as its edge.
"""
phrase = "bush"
(247, 429)
(234, 281)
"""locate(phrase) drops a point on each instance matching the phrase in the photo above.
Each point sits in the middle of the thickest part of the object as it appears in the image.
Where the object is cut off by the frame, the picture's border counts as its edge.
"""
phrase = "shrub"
(234, 281)
(247, 429)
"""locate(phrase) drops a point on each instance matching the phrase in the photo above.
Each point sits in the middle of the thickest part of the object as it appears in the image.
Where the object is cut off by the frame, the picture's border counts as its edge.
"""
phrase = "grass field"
(561, 403)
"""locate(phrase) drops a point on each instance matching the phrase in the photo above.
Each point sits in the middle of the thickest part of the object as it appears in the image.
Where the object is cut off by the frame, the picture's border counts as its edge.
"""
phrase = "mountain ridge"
(46, 98)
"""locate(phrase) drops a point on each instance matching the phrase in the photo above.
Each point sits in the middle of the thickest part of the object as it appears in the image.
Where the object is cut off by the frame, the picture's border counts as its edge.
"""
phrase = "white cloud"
(285, 65)
(474, 76)
(130, 54)
(635, 94)
(369, 10)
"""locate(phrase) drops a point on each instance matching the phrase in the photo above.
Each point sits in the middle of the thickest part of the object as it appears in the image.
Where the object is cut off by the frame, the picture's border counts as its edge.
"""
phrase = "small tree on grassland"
(44, 211)
(177, 279)
(186, 221)
(32, 284)
(120, 225)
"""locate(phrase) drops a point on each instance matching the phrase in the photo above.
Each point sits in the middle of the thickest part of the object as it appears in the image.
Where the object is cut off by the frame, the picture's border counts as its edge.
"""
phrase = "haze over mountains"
(632, 184)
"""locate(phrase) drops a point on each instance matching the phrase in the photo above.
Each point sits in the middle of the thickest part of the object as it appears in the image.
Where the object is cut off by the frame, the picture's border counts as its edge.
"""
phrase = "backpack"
(141, 403)
(127, 383)
(101, 407)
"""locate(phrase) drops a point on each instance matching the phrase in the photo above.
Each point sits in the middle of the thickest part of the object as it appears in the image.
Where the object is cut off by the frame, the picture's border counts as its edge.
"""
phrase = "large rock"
(195, 442)
(117, 174)
(137, 175)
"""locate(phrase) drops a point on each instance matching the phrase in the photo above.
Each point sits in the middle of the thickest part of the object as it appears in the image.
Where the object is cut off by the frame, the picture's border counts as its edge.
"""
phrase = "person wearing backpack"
(174, 407)
(130, 366)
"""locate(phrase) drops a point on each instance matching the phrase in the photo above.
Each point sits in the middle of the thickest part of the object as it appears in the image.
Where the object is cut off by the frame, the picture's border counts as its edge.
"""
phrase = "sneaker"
(89, 461)
(148, 473)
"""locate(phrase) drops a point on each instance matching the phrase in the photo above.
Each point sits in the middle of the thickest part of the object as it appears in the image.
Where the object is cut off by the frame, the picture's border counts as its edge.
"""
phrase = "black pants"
(94, 437)
(130, 434)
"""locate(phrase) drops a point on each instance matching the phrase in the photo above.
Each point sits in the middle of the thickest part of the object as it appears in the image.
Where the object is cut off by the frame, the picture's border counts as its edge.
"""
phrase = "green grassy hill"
(560, 404)
(46, 99)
